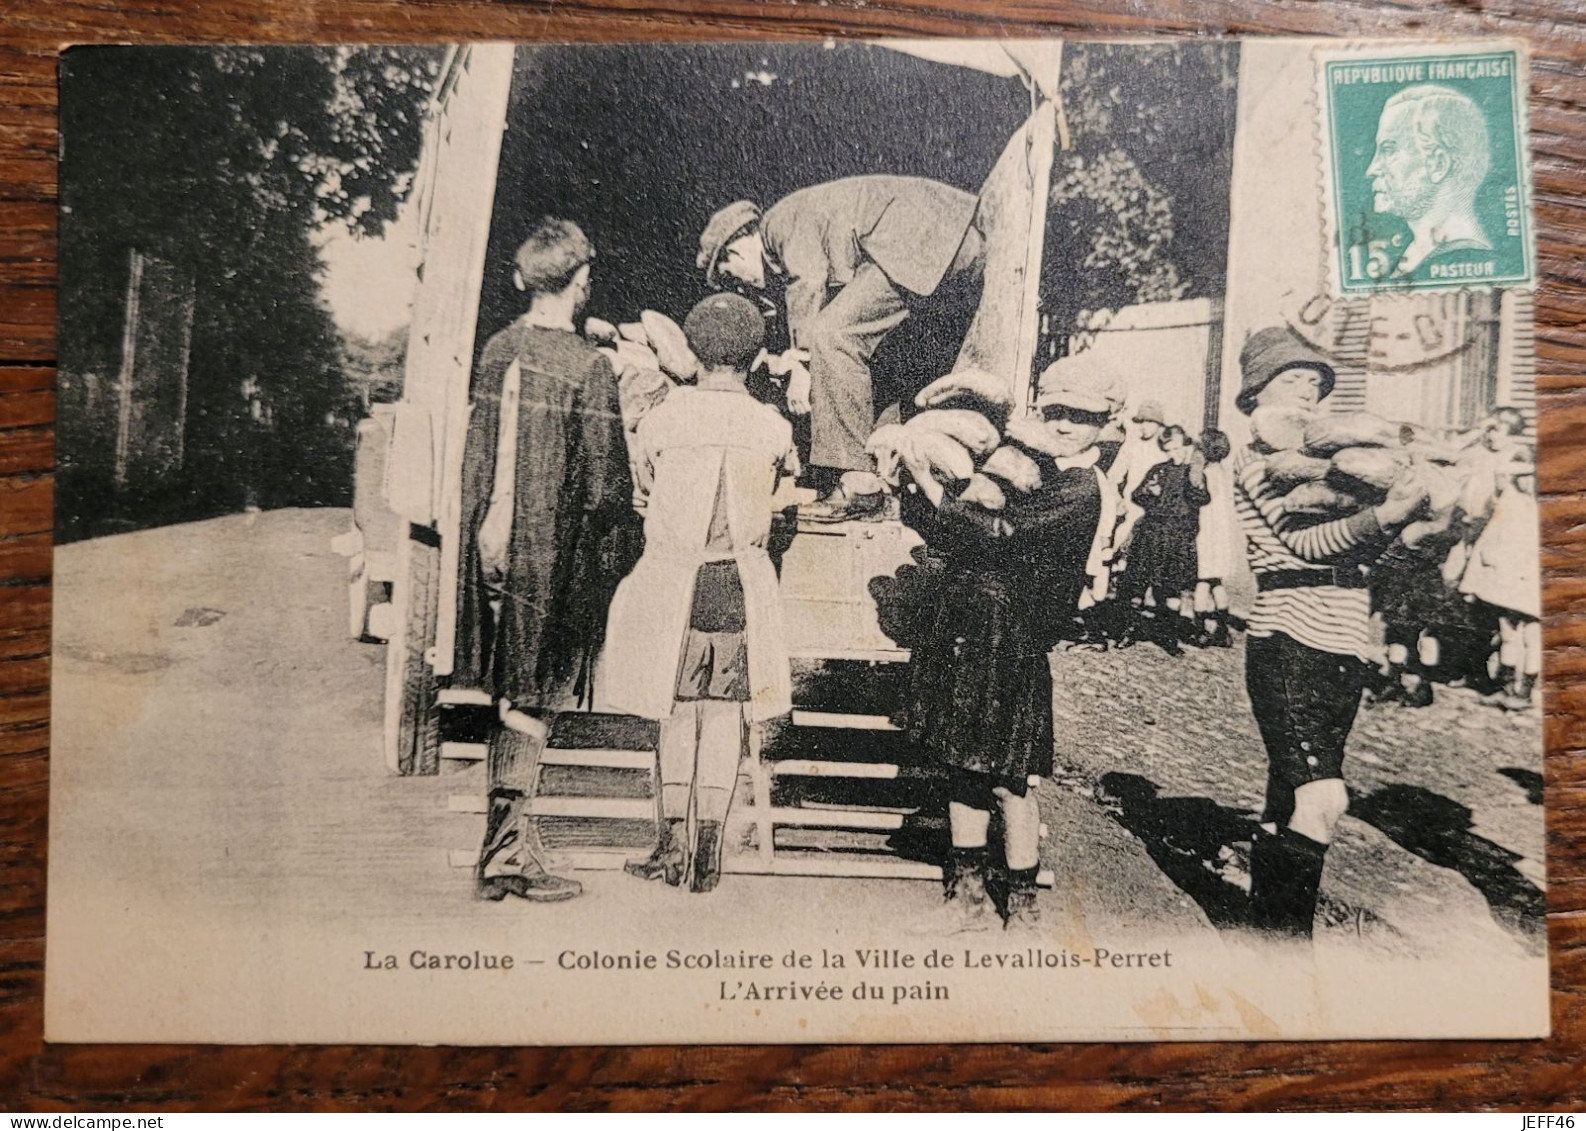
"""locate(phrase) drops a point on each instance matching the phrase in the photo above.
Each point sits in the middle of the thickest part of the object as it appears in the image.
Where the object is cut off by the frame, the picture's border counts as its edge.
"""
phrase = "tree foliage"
(225, 162)
(1139, 200)
(374, 366)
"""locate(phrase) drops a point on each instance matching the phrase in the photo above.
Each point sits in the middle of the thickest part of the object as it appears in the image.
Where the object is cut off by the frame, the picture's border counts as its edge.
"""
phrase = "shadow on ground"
(1191, 839)
(1528, 780)
(1439, 831)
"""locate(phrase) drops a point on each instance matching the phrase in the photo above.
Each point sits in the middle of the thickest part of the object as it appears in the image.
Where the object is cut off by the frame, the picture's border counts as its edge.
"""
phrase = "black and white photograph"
(745, 542)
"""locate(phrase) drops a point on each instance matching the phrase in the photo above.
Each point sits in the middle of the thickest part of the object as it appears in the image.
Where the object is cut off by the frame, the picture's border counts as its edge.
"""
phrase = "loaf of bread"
(966, 385)
(1030, 435)
(1294, 466)
(949, 460)
(886, 447)
(1329, 432)
(1012, 466)
(935, 461)
(965, 425)
(638, 391)
(670, 345)
(1320, 499)
(983, 492)
(630, 357)
(634, 332)
(1373, 469)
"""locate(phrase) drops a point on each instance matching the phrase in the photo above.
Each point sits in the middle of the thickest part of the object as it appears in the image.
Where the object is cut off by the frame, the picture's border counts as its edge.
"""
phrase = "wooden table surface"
(1526, 1075)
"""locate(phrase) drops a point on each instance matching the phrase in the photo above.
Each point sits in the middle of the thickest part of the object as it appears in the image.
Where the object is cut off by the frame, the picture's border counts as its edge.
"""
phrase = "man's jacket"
(910, 227)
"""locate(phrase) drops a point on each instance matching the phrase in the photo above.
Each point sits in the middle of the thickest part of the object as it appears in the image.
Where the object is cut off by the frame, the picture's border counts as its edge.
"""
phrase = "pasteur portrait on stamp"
(1426, 168)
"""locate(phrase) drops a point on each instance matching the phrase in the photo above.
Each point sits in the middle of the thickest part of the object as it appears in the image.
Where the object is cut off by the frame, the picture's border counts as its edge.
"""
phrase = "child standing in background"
(1219, 545)
(1171, 496)
(1502, 571)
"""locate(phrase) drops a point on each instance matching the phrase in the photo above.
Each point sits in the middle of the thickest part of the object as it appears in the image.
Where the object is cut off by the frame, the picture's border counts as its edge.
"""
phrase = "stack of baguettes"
(966, 443)
(1331, 465)
(649, 356)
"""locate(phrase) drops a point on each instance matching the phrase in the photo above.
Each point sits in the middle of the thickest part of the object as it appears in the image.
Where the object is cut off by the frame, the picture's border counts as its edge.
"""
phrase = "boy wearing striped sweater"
(1307, 643)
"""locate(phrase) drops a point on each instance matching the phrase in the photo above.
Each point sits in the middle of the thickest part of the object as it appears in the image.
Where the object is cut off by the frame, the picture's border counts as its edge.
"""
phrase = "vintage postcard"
(847, 541)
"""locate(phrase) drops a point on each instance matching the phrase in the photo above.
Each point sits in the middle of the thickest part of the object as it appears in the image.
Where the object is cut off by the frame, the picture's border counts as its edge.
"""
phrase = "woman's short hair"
(1169, 434)
(552, 253)
(1215, 445)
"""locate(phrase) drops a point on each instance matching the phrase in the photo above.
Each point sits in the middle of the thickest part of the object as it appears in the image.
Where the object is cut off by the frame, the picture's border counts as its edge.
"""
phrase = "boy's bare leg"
(723, 741)
(675, 755)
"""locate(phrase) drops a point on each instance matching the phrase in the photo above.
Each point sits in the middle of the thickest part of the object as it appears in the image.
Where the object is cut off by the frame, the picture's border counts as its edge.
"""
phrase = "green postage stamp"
(1425, 168)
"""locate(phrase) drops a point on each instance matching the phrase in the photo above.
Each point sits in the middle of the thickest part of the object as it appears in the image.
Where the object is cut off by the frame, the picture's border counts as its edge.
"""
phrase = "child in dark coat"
(980, 693)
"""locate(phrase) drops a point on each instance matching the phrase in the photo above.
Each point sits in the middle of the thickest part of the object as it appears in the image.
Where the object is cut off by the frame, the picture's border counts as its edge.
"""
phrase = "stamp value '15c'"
(1425, 169)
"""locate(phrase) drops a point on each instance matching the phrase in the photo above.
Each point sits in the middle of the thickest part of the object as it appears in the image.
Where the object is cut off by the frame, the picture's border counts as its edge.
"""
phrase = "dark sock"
(1014, 892)
(1285, 876)
(1023, 879)
(964, 866)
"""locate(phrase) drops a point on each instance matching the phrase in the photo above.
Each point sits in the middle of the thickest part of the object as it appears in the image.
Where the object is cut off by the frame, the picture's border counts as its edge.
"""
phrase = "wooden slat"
(608, 759)
(464, 751)
(852, 867)
(839, 720)
(814, 768)
(826, 818)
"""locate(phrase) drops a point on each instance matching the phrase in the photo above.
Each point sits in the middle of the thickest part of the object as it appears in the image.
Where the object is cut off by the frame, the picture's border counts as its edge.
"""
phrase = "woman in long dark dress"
(1171, 495)
(980, 693)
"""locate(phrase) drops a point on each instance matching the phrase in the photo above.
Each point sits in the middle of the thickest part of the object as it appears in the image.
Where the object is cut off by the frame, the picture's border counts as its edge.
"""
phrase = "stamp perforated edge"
(1388, 49)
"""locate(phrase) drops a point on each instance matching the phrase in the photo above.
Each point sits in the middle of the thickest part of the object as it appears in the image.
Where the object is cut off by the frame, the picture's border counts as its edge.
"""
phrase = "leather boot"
(534, 884)
(1387, 688)
(1517, 697)
(1505, 681)
(1165, 633)
(501, 854)
(1023, 909)
(509, 864)
(538, 886)
(964, 883)
(1417, 693)
(669, 860)
(1285, 876)
(707, 858)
